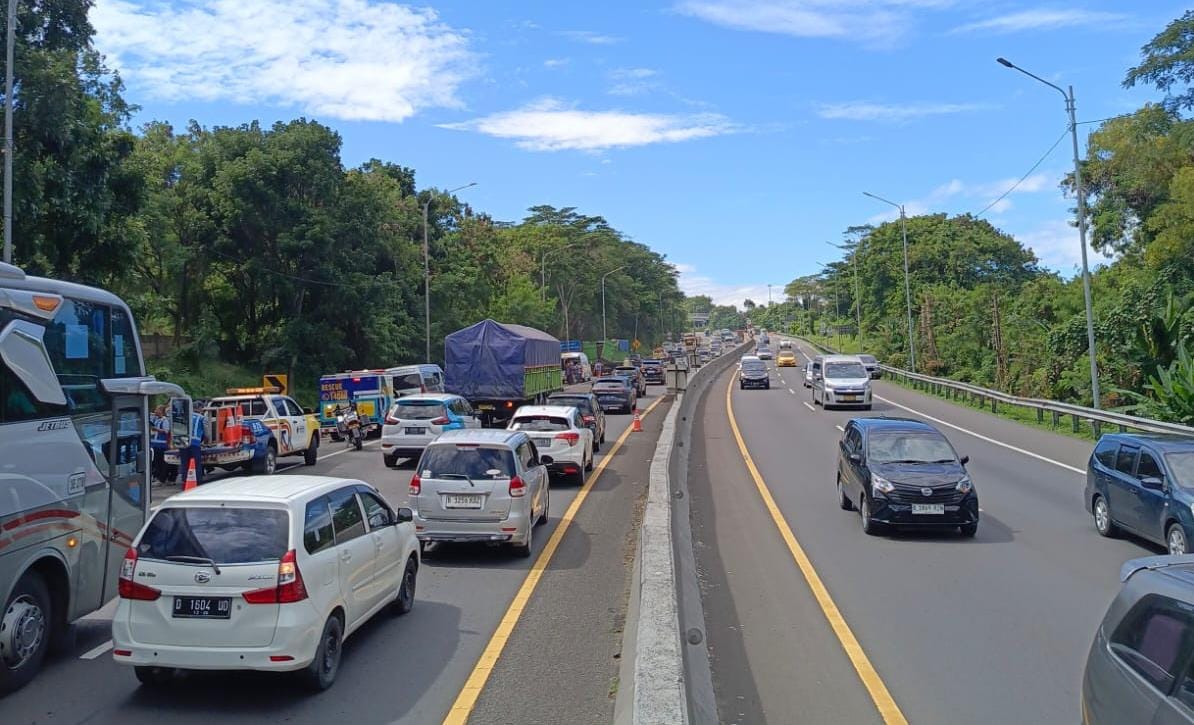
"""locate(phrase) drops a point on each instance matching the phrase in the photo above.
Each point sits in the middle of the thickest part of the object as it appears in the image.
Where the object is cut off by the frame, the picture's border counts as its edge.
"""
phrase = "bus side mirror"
(180, 419)
(24, 352)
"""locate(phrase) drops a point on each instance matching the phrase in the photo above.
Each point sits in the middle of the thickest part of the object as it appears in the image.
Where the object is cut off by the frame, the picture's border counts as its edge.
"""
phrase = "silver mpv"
(480, 486)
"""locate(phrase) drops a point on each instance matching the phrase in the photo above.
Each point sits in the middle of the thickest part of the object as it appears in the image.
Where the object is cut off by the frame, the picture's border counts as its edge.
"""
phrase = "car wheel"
(321, 673)
(589, 465)
(405, 601)
(546, 507)
(155, 676)
(842, 499)
(603, 436)
(391, 461)
(24, 632)
(969, 530)
(524, 550)
(311, 455)
(869, 526)
(266, 465)
(1102, 518)
(1175, 538)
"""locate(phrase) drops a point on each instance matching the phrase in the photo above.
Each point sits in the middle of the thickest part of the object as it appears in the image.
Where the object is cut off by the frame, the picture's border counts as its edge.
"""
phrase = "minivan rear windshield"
(408, 381)
(839, 370)
(418, 410)
(224, 535)
(539, 422)
(453, 460)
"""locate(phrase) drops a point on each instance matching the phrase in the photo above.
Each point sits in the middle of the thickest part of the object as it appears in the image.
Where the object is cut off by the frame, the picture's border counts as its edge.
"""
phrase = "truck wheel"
(311, 455)
(24, 632)
(267, 464)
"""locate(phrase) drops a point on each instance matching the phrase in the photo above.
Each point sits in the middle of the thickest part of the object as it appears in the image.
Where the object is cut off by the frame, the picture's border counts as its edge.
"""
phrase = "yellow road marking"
(466, 700)
(888, 709)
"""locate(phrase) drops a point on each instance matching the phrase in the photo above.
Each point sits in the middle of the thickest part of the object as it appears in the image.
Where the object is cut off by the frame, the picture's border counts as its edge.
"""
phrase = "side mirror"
(404, 515)
(1152, 483)
(23, 350)
(855, 459)
(964, 460)
(546, 460)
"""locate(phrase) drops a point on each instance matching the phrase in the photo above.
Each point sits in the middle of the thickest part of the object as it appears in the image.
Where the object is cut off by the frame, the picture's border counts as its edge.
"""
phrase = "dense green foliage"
(257, 246)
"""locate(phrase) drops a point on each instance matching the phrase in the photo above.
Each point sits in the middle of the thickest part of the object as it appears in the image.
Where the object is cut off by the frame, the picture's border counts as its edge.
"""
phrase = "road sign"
(276, 380)
(635, 345)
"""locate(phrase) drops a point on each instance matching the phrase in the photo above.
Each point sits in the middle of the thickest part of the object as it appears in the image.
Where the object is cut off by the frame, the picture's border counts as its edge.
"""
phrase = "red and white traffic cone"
(192, 477)
(637, 425)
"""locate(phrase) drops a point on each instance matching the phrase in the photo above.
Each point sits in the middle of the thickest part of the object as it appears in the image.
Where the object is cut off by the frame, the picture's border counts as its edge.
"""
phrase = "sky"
(736, 137)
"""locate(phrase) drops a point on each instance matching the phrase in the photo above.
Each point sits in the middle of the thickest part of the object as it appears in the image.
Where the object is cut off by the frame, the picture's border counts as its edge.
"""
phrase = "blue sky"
(734, 136)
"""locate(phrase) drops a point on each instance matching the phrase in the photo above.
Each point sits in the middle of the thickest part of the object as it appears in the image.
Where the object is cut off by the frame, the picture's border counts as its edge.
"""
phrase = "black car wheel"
(1102, 518)
(842, 499)
(405, 601)
(969, 530)
(321, 673)
(869, 526)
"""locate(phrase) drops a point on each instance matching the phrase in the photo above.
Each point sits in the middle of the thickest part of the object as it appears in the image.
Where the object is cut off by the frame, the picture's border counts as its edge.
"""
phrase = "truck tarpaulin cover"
(488, 359)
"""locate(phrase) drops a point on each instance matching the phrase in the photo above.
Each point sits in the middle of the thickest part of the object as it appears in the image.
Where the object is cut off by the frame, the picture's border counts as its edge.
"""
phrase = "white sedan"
(561, 438)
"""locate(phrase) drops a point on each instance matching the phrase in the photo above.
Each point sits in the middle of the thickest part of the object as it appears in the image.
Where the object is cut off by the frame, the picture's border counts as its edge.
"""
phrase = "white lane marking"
(367, 446)
(809, 405)
(980, 436)
(793, 392)
(839, 428)
(97, 651)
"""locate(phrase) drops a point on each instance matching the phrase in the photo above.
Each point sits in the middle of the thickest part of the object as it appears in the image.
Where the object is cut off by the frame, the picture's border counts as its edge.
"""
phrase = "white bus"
(74, 483)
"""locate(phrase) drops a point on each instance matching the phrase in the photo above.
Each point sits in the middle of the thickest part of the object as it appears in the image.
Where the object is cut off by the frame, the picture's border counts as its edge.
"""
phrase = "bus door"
(128, 481)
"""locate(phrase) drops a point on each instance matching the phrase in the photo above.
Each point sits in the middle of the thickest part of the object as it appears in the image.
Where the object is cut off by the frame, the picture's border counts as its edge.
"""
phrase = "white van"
(415, 379)
(578, 358)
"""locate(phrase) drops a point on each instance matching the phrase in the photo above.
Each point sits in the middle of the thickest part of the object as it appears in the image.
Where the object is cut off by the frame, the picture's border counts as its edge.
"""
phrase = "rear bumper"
(754, 382)
(513, 528)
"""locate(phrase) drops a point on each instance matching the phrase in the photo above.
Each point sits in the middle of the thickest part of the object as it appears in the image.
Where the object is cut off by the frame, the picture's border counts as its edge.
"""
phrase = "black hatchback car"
(904, 473)
(1143, 484)
(653, 372)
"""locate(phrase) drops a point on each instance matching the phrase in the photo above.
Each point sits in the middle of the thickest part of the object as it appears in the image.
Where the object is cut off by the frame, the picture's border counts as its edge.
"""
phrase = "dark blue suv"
(1143, 484)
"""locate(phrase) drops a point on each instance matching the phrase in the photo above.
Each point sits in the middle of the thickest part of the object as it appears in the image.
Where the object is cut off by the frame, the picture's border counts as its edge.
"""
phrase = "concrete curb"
(669, 683)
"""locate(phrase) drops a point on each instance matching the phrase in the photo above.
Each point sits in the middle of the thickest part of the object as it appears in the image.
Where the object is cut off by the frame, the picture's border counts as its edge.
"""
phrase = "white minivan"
(843, 381)
(581, 359)
(261, 573)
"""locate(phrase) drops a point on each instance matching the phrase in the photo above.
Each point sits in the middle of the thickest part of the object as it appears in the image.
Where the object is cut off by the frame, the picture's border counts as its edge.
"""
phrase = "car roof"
(893, 424)
(544, 410)
(559, 394)
(1160, 441)
(481, 435)
(841, 358)
(605, 378)
(276, 488)
(431, 397)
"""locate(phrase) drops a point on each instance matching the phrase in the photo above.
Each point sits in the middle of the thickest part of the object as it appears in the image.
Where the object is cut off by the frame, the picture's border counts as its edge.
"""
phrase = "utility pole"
(907, 284)
(427, 270)
(8, 150)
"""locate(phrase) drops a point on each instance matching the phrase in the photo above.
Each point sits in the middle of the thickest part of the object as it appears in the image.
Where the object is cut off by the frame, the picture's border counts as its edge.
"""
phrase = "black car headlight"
(965, 485)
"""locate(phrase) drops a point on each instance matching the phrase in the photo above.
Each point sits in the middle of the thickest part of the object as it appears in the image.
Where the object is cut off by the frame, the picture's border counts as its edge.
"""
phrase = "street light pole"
(8, 57)
(1071, 109)
(604, 336)
(907, 283)
(427, 272)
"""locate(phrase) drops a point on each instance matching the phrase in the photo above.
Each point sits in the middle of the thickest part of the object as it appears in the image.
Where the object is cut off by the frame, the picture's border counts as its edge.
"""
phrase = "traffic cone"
(192, 479)
(637, 425)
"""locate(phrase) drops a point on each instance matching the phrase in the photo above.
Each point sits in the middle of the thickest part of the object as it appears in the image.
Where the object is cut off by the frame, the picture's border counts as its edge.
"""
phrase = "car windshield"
(844, 370)
(225, 535)
(1182, 466)
(908, 447)
(867, 359)
(453, 460)
(539, 423)
(417, 410)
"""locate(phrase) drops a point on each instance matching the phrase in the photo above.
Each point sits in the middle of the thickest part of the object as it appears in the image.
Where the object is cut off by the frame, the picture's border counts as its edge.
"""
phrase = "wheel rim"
(1177, 540)
(865, 509)
(331, 652)
(1102, 516)
(21, 631)
(408, 586)
(270, 462)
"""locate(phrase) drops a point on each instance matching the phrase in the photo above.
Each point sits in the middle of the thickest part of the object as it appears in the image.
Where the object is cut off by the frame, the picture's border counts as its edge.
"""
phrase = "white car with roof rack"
(561, 437)
(415, 420)
(265, 573)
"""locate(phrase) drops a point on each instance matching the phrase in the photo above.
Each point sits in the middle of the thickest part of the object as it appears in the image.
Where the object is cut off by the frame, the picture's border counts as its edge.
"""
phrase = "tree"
(1168, 64)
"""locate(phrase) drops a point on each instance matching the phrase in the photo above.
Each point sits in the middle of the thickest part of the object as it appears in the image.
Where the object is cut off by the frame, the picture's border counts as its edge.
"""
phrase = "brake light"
(129, 589)
(509, 403)
(416, 485)
(589, 419)
(391, 420)
(442, 420)
(571, 437)
(290, 587)
(518, 487)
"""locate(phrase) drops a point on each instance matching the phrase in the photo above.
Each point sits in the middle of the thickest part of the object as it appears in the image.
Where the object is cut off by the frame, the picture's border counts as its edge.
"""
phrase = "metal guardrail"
(952, 389)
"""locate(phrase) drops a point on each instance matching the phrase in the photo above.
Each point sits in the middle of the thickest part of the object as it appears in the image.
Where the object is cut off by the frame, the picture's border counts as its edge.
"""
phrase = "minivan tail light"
(290, 587)
(391, 420)
(129, 589)
(589, 419)
(518, 487)
(442, 420)
(416, 485)
(571, 437)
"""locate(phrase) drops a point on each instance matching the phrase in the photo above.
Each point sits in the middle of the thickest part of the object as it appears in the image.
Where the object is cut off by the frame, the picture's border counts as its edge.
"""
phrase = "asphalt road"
(411, 670)
(990, 630)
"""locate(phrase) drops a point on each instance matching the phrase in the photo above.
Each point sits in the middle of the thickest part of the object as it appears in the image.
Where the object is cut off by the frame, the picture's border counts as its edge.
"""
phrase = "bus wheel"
(24, 632)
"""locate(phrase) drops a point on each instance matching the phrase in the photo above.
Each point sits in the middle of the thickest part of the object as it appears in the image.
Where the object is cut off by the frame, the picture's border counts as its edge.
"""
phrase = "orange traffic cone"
(192, 479)
(637, 425)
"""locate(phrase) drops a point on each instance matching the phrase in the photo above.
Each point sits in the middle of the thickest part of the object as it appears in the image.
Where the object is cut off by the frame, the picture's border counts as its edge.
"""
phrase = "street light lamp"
(907, 284)
(427, 271)
(604, 336)
(1071, 110)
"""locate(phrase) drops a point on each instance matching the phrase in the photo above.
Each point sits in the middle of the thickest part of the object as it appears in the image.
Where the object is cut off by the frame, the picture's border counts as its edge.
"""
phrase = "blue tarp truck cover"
(488, 360)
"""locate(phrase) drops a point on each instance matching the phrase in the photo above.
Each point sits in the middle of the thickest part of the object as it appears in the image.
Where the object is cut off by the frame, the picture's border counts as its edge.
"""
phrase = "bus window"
(17, 403)
(77, 341)
(125, 360)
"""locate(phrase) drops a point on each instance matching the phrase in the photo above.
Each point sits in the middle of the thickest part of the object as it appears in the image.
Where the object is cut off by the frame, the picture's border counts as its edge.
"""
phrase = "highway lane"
(994, 629)
(407, 669)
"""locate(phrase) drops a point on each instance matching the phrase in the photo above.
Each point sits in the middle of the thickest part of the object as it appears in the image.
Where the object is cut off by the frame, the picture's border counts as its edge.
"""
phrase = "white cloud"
(349, 59)
(693, 283)
(549, 125)
(632, 81)
(1042, 19)
(591, 37)
(869, 21)
(891, 112)
(959, 196)
(556, 62)
(1055, 243)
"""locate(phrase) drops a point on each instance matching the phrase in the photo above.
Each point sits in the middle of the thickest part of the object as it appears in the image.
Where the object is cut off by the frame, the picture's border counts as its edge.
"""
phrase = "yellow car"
(785, 359)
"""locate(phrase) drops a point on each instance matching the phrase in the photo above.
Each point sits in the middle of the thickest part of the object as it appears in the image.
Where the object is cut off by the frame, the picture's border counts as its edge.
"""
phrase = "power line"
(1028, 173)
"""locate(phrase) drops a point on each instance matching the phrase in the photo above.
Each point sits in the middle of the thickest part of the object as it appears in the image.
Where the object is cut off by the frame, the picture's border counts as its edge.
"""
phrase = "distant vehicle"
(590, 412)
(414, 379)
(416, 420)
(563, 441)
(371, 391)
(267, 573)
(842, 381)
(808, 374)
(233, 441)
(652, 371)
(763, 351)
(636, 376)
(786, 359)
(752, 373)
(499, 368)
(872, 366)
(481, 486)
(786, 345)
(904, 473)
(1138, 669)
(74, 459)
(1143, 484)
(615, 392)
(580, 359)
(704, 356)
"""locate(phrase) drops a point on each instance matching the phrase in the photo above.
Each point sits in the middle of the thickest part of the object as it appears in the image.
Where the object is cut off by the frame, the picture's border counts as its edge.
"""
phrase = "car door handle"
(345, 556)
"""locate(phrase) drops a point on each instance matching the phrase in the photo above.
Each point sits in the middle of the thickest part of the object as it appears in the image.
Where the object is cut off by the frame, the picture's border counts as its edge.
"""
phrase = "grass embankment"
(208, 378)
(1026, 416)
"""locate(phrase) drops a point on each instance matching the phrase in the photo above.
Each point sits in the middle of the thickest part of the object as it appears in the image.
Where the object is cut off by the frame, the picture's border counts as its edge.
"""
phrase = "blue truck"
(500, 367)
(371, 390)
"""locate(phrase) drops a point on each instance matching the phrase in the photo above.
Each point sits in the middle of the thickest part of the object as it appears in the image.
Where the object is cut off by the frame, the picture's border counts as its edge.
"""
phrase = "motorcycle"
(349, 428)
